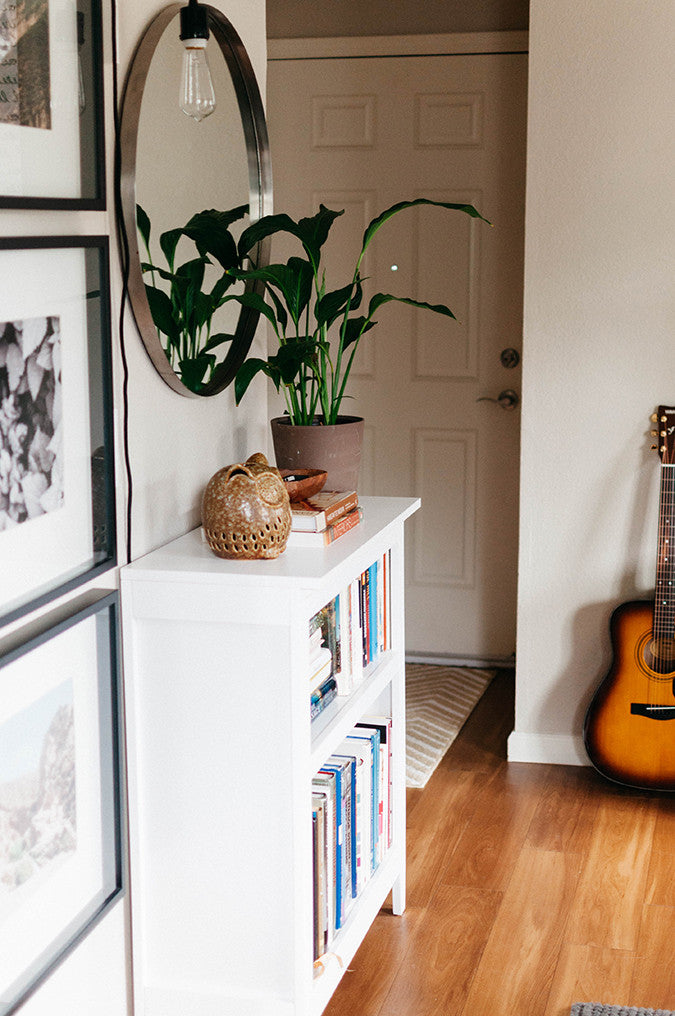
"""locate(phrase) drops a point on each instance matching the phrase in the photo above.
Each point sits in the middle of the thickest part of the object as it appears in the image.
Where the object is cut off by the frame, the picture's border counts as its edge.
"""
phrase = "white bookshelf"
(221, 753)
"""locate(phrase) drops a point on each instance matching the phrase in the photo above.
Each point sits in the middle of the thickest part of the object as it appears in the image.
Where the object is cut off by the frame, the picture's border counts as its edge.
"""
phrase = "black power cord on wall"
(124, 259)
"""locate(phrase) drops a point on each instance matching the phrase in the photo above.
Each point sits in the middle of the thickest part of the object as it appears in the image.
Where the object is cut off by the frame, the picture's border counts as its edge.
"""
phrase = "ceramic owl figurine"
(246, 512)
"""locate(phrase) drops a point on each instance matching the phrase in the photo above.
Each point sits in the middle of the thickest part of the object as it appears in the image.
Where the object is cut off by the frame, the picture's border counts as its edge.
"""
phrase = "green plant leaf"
(217, 340)
(380, 220)
(279, 310)
(248, 371)
(291, 357)
(256, 302)
(355, 328)
(293, 280)
(168, 242)
(210, 233)
(162, 312)
(143, 224)
(380, 298)
(220, 288)
(331, 305)
(312, 232)
(192, 370)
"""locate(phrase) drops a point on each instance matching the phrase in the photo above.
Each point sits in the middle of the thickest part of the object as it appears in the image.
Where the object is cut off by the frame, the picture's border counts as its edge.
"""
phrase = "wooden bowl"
(303, 483)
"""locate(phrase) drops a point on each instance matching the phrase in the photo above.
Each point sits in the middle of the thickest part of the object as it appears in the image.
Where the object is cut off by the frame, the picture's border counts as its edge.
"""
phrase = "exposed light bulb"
(197, 97)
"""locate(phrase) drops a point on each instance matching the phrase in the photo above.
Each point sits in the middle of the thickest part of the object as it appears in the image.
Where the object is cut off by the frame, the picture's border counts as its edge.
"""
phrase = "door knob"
(508, 399)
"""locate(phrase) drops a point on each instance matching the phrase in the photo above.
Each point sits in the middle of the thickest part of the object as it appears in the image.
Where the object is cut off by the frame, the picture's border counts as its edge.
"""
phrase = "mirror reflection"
(196, 186)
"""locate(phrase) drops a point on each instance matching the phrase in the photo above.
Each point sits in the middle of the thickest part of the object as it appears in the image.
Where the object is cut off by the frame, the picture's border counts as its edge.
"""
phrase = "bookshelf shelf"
(221, 754)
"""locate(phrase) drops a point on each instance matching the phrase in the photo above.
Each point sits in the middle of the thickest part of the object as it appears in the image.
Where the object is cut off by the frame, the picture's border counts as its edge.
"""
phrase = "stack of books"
(322, 683)
(352, 821)
(323, 518)
(355, 627)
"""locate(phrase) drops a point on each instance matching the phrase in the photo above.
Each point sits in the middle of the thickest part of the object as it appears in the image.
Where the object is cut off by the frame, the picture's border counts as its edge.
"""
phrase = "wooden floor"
(530, 887)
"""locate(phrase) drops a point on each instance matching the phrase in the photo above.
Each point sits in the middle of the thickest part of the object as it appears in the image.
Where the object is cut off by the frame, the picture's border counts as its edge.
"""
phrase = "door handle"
(508, 399)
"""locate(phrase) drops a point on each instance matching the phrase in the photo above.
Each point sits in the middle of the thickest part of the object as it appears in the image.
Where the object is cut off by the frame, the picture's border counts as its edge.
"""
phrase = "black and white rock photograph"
(31, 437)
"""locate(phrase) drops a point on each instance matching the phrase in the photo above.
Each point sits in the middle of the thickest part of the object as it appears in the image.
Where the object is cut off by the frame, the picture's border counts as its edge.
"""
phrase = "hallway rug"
(595, 1009)
(439, 700)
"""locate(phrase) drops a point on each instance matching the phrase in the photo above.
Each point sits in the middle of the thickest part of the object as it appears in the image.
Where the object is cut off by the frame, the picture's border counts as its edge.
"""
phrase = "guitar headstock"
(664, 417)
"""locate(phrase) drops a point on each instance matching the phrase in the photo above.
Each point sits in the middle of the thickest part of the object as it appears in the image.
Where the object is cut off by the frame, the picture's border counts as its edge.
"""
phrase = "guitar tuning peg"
(653, 433)
(663, 419)
(653, 417)
(662, 433)
(654, 447)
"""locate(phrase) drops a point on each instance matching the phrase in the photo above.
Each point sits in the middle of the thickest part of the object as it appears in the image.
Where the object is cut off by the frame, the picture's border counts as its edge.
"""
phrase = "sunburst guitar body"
(629, 731)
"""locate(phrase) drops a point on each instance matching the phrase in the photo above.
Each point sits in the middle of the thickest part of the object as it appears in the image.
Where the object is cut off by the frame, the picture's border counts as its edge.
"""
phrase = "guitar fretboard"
(664, 602)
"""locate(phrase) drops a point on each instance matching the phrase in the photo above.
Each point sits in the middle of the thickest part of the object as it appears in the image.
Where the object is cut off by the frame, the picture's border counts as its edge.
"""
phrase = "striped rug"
(438, 702)
(595, 1009)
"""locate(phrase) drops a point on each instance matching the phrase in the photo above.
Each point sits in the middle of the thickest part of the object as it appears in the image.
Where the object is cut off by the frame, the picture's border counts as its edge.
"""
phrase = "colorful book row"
(352, 824)
(355, 626)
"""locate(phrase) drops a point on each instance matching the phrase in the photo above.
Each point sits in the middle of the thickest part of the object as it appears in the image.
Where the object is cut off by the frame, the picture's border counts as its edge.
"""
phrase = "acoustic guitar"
(629, 731)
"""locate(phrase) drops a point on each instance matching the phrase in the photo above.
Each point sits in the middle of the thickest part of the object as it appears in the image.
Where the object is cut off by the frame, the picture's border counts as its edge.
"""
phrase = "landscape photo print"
(59, 791)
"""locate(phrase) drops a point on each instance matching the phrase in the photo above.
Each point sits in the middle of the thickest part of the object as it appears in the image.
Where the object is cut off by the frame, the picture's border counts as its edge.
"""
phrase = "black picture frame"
(61, 857)
(52, 131)
(57, 477)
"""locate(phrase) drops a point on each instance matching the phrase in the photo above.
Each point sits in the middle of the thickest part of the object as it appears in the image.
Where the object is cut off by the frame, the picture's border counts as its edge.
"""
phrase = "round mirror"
(188, 188)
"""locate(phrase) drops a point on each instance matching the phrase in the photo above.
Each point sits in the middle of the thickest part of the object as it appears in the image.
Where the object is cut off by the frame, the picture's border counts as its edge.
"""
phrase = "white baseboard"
(461, 661)
(556, 749)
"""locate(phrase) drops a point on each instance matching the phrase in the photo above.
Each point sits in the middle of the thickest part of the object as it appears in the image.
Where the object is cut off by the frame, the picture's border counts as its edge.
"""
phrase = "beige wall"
(298, 18)
(598, 353)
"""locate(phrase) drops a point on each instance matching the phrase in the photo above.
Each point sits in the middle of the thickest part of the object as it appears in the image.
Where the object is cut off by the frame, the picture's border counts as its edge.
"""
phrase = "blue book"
(336, 771)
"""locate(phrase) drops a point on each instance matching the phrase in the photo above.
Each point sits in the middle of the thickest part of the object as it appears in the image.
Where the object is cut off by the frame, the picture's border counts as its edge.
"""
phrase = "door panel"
(361, 134)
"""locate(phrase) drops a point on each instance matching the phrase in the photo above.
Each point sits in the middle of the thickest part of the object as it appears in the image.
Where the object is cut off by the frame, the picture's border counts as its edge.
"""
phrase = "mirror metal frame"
(259, 175)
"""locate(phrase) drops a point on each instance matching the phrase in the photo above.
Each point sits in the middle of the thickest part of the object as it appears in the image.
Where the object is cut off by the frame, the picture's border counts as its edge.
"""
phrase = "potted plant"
(318, 332)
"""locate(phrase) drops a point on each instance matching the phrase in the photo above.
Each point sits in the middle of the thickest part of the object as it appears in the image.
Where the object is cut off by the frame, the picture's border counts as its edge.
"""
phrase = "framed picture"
(51, 104)
(60, 812)
(57, 489)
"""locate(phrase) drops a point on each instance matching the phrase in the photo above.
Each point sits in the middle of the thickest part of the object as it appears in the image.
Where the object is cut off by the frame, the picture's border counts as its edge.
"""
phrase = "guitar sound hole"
(659, 655)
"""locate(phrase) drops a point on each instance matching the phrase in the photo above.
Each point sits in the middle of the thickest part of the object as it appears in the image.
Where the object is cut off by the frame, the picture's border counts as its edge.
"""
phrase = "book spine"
(322, 697)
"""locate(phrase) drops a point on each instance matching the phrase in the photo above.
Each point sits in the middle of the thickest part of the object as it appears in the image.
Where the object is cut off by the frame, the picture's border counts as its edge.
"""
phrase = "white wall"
(176, 444)
(599, 349)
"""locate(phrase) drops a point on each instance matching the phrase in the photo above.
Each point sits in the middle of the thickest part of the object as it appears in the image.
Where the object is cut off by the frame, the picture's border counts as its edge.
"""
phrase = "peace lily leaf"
(380, 220)
(168, 242)
(193, 371)
(255, 302)
(217, 340)
(311, 232)
(381, 298)
(291, 356)
(143, 224)
(293, 280)
(330, 306)
(162, 312)
(279, 310)
(355, 328)
(248, 371)
(210, 234)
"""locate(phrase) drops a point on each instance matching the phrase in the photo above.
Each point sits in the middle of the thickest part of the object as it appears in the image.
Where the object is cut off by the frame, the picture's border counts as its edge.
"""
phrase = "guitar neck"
(664, 596)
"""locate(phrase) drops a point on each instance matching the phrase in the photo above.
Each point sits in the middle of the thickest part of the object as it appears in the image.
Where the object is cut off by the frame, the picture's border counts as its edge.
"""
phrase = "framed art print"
(57, 501)
(51, 104)
(60, 824)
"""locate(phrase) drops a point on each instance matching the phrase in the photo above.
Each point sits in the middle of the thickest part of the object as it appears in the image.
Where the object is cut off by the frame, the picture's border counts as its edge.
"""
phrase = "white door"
(362, 133)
